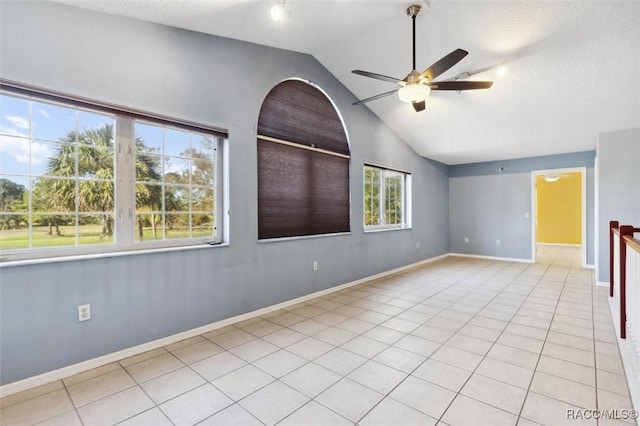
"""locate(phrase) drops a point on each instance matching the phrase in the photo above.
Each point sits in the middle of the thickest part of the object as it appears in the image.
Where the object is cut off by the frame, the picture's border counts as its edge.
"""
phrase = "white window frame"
(124, 187)
(405, 193)
(126, 203)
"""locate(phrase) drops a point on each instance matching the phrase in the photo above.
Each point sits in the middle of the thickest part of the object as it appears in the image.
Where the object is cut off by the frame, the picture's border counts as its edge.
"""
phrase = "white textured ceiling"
(572, 65)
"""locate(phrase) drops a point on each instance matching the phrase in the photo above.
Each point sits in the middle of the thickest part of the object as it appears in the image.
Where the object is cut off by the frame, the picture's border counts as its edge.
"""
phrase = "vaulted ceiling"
(571, 64)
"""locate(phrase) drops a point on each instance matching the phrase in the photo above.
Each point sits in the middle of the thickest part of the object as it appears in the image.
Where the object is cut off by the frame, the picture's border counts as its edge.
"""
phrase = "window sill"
(302, 237)
(105, 254)
(374, 230)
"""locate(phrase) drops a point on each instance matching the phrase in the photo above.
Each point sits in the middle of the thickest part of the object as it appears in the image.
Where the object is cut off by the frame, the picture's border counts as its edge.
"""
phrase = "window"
(386, 198)
(76, 180)
(303, 164)
(175, 181)
(57, 175)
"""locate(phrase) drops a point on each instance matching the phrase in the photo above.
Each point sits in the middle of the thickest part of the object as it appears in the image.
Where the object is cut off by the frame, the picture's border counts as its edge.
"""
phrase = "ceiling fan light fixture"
(416, 92)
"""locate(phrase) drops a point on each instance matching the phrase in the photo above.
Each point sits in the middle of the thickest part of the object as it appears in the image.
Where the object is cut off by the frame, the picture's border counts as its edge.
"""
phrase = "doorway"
(558, 216)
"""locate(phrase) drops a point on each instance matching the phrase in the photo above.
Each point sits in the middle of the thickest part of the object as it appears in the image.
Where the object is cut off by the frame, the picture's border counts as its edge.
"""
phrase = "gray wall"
(618, 187)
(486, 205)
(137, 298)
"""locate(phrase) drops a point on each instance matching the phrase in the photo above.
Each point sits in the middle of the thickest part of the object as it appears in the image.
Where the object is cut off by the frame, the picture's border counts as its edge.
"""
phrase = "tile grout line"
(485, 356)
(139, 384)
(545, 342)
(466, 294)
(443, 343)
(313, 399)
(406, 334)
(75, 408)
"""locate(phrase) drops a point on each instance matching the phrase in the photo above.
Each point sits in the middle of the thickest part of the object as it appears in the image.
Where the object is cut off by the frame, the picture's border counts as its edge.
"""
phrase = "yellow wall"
(559, 209)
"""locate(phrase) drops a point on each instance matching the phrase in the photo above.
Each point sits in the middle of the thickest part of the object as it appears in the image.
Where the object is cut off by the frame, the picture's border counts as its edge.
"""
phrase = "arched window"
(303, 164)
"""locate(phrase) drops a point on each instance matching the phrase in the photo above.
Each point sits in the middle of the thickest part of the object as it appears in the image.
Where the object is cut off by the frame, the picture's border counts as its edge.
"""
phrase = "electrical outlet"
(466, 239)
(497, 242)
(315, 265)
(417, 246)
(84, 312)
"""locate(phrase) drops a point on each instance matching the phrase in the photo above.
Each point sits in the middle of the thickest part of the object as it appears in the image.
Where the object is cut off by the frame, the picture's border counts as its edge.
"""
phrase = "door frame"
(534, 200)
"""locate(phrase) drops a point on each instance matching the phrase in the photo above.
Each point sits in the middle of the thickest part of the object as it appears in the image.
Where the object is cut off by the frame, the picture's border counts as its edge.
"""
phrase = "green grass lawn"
(89, 234)
(147, 233)
(19, 238)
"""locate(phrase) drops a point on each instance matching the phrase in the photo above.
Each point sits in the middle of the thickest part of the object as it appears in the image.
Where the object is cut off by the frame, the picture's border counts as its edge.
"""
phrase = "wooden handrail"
(634, 243)
(613, 227)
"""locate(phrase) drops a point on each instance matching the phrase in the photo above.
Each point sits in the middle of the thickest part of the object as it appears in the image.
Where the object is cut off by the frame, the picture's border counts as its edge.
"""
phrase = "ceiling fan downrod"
(412, 12)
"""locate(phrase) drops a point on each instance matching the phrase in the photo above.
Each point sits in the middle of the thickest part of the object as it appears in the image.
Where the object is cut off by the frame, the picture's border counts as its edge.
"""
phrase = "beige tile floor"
(457, 342)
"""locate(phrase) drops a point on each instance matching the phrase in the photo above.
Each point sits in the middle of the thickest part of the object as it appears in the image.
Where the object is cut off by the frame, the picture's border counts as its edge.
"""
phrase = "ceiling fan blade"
(373, 98)
(376, 76)
(419, 106)
(443, 64)
(460, 85)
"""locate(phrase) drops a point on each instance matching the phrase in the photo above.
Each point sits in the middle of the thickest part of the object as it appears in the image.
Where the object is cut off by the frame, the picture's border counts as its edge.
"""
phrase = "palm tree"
(148, 195)
(82, 172)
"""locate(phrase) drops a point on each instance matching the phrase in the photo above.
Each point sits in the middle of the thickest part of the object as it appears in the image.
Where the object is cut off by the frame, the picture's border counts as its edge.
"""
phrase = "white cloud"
(40, 153)
(11, 131)
(174, 165)
(19, 122)
(18, 148)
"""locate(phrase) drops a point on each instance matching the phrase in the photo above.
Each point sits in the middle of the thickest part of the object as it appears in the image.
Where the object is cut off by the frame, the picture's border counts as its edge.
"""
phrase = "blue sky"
(30, 132)
(45, 123)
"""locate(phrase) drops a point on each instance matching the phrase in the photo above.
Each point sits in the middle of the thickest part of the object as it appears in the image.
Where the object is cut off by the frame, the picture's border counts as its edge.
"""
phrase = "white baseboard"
(90, 364)
(559, 244)
(589, 266)
(479, 256)
(602, 283)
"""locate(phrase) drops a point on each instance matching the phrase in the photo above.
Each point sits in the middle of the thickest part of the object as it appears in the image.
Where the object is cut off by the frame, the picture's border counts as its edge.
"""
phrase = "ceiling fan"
(415, 87)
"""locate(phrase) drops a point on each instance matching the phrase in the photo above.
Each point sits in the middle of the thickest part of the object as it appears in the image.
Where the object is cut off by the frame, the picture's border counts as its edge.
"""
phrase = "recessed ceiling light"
(501, 70)
(552, 177)
(277, 11)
